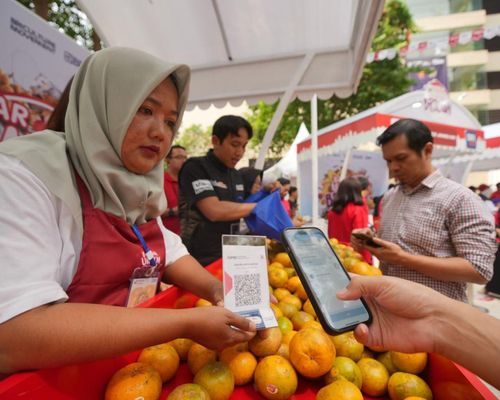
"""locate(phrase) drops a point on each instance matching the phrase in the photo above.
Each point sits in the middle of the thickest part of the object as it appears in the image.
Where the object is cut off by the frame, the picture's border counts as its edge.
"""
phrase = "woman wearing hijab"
(81, 227)
(252, 180)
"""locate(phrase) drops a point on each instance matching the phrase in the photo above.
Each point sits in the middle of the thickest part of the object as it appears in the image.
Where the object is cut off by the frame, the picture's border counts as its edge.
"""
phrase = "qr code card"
(246, 285)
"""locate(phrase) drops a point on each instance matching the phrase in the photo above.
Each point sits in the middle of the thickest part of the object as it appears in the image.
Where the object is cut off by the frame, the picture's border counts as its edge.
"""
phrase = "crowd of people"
(101, 224)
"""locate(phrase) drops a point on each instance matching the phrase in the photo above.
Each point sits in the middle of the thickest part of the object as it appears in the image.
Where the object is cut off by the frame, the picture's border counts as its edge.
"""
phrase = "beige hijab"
(105, 94)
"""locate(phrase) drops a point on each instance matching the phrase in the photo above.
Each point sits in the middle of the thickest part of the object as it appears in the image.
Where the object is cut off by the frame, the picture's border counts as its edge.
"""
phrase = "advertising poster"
(428, 69)
(36, 62)
(371, 165)
(329, 171)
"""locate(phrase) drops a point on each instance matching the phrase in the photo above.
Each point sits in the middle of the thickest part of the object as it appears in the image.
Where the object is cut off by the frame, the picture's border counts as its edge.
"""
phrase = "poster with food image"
(371, 165)
(36, 62)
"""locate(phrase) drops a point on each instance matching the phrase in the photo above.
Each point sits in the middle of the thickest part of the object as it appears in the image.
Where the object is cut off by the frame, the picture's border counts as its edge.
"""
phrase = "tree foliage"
(195, 139)
(68, 18)
(381, 81)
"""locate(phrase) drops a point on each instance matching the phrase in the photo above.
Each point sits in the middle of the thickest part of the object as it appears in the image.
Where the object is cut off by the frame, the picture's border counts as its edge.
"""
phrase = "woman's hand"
(404, 313)
(217, 327)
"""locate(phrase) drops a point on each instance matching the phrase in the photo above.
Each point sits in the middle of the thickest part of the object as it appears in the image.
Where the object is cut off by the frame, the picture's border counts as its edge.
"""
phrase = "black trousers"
(493, 286)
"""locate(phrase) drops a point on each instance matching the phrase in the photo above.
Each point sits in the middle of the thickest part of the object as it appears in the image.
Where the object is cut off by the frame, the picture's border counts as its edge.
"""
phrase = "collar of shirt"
(429, 182)
(218, 163)
(169, 178)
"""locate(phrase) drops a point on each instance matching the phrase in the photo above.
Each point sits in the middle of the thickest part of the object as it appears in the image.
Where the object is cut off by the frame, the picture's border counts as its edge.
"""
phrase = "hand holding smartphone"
(323, 275)
(366, 239)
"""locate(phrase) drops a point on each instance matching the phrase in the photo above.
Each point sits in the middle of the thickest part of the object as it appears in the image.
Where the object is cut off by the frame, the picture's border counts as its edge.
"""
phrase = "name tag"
(202, 185)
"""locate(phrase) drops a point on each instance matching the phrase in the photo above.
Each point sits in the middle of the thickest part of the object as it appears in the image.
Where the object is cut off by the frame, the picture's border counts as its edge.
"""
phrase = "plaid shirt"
(438, 218)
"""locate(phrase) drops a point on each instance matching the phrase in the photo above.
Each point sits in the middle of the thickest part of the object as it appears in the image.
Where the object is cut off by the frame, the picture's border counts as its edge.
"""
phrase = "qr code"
(247, 289)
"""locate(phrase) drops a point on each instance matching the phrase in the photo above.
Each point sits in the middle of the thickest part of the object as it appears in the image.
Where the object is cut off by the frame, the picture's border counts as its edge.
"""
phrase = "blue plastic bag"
(269, 217)
(257, 196)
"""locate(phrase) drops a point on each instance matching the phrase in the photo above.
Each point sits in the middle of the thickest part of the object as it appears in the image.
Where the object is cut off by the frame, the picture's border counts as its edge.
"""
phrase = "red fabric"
(495, 195)
(286, 206)
(110, 253)
(171, 188)
(341, 225)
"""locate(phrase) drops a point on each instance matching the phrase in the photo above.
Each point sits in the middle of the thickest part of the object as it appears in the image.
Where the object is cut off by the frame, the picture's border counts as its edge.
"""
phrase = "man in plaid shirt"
(433, 230)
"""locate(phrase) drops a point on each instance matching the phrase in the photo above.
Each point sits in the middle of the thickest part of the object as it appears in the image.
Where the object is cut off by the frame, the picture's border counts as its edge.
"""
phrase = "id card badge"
(143, 285)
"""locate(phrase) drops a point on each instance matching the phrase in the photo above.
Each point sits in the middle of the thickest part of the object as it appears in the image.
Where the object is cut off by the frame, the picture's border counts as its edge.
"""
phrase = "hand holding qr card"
(246, 285)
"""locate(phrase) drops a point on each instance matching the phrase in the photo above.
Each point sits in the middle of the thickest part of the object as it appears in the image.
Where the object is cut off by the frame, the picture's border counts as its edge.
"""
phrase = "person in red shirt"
(175, 159)
(348, 212)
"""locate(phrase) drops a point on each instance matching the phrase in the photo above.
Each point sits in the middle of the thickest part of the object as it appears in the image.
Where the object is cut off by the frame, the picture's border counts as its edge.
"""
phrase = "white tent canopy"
(248, 49)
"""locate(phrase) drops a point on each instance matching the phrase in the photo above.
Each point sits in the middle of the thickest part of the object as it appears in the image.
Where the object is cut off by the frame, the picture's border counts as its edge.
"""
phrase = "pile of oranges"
(275, 359)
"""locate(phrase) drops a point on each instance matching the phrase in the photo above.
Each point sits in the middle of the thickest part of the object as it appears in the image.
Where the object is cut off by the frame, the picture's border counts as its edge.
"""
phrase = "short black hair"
(364, 182)
(292, 189)
(284, 181)
(230, 125)
(417, 134)
(175, 146)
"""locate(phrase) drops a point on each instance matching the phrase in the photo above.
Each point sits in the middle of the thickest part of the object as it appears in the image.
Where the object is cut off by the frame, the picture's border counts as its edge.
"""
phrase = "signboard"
(428, 69)
(36, 62)
(372, 166)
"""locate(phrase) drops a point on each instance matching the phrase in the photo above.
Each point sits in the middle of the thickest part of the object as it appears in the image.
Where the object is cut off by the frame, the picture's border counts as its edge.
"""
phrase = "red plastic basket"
(88, 381)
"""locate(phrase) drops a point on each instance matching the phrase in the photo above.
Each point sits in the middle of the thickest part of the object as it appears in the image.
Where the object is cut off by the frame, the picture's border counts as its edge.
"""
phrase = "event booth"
(347, 148)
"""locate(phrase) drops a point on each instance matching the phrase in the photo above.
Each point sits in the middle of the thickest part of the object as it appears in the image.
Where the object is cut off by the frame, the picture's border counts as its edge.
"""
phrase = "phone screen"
(325, 276)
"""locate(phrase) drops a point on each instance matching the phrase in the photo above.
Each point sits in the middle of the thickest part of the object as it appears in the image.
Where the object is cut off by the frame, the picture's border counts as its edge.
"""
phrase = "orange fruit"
(347, 368)
(347, 345)
(300, 318)
(402, 385)
(291, 272)
(413, 363)
(349, 263)
(281, 293)
(285, 325)
(275, 378)
(312, 352)
(374, 271)
(202, 303)
(284, 350)
(136, 380)
(294, 300)
(276, 310)
(377, 349)
(283, 259)
(361, 268)
(266, 342)
(275, 265)
(313, 325)
(240, 361)
(217, 379)
(163, 358)
(308, 308)
(301, 293)
(414, 398)
(288, 337)
(339, 389)
(189, 391)
(277, 277)
(185, 300)
(333, 241)
(287, 309)
(198, 356)
(385, 358)
(293, 283)
(182, 346)
(374, 377)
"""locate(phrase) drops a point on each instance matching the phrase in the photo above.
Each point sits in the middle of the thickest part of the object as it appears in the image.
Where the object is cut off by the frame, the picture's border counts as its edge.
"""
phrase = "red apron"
(110, 253)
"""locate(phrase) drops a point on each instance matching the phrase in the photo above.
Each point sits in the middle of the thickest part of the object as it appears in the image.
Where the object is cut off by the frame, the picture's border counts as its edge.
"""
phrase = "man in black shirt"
(211, 191)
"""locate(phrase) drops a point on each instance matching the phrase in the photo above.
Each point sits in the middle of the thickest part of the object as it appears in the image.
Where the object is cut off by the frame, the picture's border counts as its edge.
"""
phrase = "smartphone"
(367, 239)
(323, 275)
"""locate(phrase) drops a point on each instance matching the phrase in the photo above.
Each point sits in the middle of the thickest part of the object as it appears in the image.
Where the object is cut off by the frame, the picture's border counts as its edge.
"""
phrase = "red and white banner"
(36, 62)
(419, 46)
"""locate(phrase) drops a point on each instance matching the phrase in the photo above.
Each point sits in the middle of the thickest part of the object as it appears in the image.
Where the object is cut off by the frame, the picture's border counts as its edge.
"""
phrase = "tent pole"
(314, 159)
(280, 111)
(345, 164)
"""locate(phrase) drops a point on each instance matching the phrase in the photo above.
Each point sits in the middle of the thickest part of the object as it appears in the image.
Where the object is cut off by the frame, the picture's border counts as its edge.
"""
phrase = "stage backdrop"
(36, 62)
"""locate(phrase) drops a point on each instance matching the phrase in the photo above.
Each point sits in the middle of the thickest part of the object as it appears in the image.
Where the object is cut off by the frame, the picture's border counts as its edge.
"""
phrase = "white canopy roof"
(247, 49)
